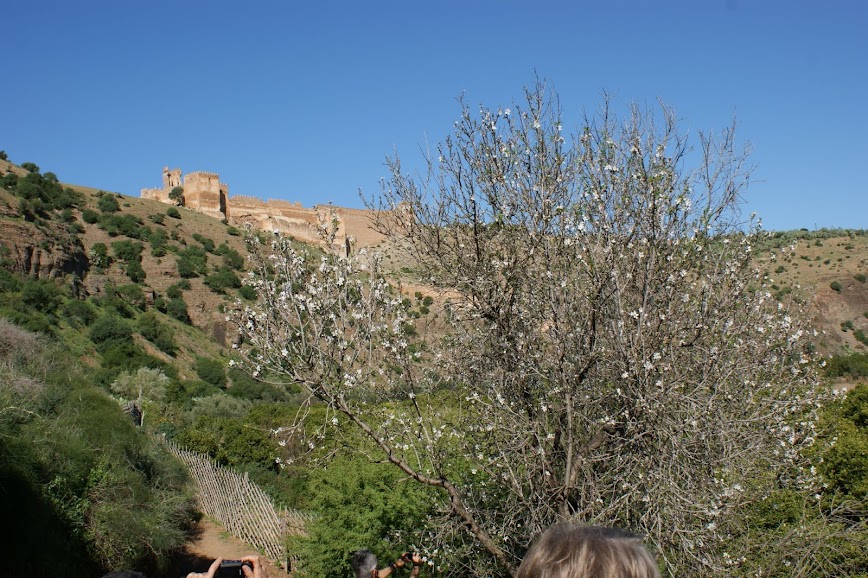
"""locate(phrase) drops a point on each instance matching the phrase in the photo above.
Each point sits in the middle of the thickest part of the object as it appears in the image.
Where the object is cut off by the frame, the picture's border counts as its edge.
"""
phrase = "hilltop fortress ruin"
(203, 192)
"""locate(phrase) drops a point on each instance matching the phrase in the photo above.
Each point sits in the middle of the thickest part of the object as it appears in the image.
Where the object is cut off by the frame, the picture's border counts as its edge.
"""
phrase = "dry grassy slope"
(809, 268)
(210, 334)
(204, 305)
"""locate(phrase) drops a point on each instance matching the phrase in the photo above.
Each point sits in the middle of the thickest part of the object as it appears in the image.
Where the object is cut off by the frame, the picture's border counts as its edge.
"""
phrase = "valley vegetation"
(593, 331)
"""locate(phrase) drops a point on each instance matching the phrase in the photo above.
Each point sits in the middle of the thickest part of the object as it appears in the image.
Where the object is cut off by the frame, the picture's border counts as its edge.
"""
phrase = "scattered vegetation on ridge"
(132, 331)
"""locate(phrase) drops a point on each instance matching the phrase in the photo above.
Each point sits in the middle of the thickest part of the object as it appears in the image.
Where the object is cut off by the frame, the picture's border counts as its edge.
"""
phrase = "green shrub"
(210, 371)
(90, 216)
(79, 312)
(42, 295)
(112, 303)
(860, 337)
(130, 294)
(186, 268)
(836, 286)
(860, 277)
(177, 308)
(232, 231)
(222, 279)
(135, 271)
(228, 441)
(10, 181)
(845, 460)
(197, 257)
(156, 218)
(247, 292)
(853, 365)
(127, 250)
(854, 407)
(359, 504)
(87, 492)
(846, 325)
(127, 356)
(182, 393)
(245, 387)
(207, 244)
(173, 212)
(160, 335)
(108, 204)
(158, 240)
(28, 166)
(109, 329)
(9, 281)
(233, 259)
(174, 291)
(127, 225)
(27, 318)
(99, 256)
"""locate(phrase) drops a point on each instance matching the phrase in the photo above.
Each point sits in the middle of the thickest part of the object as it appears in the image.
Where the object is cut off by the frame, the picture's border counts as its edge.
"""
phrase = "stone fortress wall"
(203, 192)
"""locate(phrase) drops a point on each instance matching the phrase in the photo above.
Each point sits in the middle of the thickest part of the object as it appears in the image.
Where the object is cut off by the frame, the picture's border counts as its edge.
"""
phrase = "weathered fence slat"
(243, 508)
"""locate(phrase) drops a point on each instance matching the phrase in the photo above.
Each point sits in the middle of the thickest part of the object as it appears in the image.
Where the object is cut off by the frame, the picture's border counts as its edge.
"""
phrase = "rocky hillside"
(142, 253)
(828, 270)
(80, 238)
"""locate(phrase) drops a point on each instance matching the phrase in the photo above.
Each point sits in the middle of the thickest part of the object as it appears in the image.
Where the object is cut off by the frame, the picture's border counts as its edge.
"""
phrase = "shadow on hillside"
(185, 561)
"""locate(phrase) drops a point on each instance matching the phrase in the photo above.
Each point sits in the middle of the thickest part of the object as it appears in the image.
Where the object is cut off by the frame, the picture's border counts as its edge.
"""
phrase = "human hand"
(415, 558)
(212, 570)
(258, 570)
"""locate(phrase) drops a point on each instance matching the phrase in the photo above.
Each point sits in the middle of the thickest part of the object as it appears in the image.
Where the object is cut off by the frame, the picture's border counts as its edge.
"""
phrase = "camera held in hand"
(232, 568)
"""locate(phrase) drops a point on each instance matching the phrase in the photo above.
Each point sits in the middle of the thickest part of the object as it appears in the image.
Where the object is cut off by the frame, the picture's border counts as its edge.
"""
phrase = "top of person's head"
(570, 550)
(364, 562)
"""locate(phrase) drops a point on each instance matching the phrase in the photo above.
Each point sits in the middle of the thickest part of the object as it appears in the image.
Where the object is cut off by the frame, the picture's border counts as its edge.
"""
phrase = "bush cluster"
(87, 492)
(221, 279)
(131, 253)
(192, 262)
(40, 194)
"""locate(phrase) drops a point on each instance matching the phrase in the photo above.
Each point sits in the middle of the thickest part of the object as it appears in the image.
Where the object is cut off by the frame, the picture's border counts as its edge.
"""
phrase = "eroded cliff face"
(43, 252)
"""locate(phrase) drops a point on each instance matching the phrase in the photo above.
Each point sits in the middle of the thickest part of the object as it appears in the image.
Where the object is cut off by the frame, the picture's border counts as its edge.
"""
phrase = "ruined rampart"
(203, 192)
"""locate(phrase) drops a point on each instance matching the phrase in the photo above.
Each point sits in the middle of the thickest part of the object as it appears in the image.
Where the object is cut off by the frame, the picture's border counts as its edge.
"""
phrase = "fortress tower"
(203, 192)
(171, 178)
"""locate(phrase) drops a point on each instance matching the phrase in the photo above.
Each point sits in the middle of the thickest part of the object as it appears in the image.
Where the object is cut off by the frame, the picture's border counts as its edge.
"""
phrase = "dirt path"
(211, 542)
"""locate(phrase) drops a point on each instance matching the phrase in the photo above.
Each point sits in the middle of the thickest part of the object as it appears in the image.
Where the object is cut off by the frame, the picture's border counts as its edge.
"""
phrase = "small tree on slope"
(609, 353)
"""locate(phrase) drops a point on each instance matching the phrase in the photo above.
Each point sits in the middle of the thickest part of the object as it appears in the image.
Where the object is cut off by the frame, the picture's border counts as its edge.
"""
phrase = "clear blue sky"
(303, 100)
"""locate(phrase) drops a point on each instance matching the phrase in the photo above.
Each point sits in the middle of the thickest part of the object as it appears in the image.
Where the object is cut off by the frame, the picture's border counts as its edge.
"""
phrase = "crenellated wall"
(203, 192)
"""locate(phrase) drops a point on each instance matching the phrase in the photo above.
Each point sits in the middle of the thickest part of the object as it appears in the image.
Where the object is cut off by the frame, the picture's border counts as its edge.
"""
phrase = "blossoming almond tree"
(611, 357)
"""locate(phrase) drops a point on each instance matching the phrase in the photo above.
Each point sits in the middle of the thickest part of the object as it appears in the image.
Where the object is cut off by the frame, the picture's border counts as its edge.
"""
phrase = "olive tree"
(135, 389)
(607, 352)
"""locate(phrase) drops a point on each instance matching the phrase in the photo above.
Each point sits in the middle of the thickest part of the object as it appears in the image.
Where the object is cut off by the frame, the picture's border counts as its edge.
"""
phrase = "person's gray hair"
(364, 562)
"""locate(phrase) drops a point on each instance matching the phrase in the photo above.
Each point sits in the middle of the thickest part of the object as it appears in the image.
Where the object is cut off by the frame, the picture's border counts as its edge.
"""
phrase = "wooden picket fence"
(241, 506)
